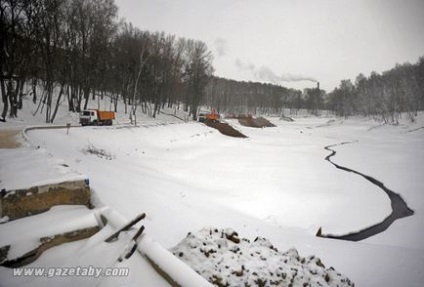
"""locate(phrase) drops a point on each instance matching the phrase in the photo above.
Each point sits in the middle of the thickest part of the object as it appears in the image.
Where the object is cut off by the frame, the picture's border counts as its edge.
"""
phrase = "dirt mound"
(252, 122)
(8, 138)
(225, 129)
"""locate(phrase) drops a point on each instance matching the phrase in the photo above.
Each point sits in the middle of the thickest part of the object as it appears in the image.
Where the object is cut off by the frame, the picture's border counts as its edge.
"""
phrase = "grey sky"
(283, 41)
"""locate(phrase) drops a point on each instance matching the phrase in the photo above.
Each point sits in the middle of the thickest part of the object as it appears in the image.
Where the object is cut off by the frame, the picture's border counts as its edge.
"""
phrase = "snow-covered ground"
(227, 260)
(273, 184)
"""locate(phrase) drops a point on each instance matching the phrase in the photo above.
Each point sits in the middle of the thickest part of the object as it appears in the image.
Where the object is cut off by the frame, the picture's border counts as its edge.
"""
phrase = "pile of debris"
(250, 121)
(224, 259)
(225, 129)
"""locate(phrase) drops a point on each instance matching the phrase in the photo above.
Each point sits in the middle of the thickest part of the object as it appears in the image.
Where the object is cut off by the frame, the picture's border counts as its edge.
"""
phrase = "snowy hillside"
(274, 184)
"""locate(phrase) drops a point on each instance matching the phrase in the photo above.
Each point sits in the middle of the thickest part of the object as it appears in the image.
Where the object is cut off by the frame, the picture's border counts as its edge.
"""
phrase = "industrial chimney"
(318, 86)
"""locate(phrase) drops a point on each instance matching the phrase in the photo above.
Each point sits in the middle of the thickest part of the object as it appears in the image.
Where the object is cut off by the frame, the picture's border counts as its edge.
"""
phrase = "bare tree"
(14, 53)
(143, 60)
(198, 70)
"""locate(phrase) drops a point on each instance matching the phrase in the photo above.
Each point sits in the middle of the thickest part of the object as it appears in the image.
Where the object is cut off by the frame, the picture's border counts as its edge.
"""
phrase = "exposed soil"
(225, 129)
(249, 121)
(37, 199)
(8, 138)
(399, 207)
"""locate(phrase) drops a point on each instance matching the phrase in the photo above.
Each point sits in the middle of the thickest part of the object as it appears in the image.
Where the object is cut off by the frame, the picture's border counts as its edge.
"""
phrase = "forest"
(77, 49)
(385, 95)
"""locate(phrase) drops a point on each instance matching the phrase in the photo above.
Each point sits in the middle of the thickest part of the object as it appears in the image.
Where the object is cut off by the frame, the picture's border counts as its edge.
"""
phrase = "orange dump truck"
(213, 117)
(205, 116)
(96, 118)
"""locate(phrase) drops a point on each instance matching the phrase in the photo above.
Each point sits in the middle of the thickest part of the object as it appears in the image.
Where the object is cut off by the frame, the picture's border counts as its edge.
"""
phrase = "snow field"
(281, 179)
(274, 184)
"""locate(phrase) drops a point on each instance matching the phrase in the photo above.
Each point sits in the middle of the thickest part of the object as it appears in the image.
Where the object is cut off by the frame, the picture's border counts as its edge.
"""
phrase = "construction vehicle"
(211, 116)
(96, 118)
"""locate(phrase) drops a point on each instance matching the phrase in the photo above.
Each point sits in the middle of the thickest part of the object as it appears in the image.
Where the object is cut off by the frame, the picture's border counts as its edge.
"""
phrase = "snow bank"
(160, 258)
(58, 220)
(27, 166)
(224, 259)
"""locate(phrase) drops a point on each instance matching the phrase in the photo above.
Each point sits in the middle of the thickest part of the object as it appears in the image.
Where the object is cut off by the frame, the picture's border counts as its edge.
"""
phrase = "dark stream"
(399, 207)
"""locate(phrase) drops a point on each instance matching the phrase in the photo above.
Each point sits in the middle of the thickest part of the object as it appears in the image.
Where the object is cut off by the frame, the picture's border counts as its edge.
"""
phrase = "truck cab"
(88, 117)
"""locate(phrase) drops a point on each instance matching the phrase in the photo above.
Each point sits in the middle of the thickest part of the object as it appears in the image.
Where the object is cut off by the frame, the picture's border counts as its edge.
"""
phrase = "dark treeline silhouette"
(382, 96)
(71, 50)
(75, 49)
(385, 95)
(229, 96)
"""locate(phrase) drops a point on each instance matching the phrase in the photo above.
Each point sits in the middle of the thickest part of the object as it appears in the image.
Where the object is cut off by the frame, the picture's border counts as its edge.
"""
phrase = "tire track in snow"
(399, 207)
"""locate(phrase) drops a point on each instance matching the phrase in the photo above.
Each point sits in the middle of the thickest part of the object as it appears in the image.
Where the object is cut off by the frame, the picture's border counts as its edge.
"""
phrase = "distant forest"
(77, 49)
(385, 95)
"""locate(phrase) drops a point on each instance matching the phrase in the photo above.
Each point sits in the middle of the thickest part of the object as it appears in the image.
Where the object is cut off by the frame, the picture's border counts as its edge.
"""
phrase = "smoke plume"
(220, 47)
(266, 74)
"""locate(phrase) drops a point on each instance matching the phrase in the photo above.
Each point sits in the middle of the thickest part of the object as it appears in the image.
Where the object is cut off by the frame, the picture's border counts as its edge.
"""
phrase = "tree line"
(238, 97)
(386, 95)
(383, 96)
(77, 49)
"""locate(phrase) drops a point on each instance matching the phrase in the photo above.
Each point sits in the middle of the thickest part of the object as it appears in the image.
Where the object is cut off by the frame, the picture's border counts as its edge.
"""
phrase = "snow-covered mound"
(224, 259)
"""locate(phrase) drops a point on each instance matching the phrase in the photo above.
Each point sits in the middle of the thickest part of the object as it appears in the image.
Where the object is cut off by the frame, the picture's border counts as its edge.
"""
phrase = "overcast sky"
(284, 41)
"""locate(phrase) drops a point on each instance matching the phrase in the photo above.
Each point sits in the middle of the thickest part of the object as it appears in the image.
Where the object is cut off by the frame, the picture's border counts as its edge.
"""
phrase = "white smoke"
(220, 47)
(266, 74)
(243, 66)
